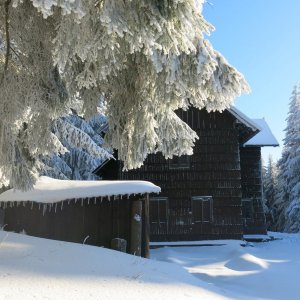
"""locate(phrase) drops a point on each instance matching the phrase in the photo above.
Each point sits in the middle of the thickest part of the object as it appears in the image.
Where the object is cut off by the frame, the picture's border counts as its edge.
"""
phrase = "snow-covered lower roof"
(49, 190)
(264, 137)
(243, 118)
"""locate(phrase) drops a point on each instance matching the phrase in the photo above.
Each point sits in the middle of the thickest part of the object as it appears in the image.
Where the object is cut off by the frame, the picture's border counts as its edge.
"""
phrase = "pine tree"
(147, 58)
(288, 200)
(270, 191)
(81, 148)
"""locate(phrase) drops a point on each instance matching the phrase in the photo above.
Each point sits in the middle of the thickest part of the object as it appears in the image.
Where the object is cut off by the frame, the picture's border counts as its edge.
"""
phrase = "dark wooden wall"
(253, 214)
(214, 170)
(100, 220)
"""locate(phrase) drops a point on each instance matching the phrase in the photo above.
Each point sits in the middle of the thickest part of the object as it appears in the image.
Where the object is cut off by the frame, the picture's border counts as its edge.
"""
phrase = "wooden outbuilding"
(100, 213)
(216, 193)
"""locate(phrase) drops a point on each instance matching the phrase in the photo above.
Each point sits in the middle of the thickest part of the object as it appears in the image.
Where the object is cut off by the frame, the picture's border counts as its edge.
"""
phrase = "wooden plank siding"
(94, 221)
(214, 170)
(253, 217)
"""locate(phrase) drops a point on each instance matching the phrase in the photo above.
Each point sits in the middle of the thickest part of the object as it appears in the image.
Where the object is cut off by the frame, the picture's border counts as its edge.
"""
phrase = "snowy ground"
(264, 271)
(32, 268)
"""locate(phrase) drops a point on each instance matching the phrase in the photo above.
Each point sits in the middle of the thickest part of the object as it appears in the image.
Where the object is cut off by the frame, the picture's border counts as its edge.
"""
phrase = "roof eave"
(244, 119)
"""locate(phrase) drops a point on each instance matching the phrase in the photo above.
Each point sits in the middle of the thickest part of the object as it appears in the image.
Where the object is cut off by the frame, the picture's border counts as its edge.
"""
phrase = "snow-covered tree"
(81, 148)
(270, 190)
(146, 57)
(288, 199)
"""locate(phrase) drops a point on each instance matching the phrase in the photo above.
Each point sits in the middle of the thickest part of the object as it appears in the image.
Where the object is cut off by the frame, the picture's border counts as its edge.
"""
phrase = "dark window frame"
(158, 199)
(211, 209)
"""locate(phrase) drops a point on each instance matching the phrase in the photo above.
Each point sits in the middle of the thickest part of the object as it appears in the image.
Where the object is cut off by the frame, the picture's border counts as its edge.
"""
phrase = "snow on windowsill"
(49, 190)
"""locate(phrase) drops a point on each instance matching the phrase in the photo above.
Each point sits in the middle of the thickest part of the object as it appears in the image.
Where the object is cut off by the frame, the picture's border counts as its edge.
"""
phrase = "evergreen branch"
(7, 3)
(19, 58)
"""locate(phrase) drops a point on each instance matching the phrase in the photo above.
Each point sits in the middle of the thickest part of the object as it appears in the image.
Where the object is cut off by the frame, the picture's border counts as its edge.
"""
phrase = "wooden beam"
(136, 227)
(146, 227)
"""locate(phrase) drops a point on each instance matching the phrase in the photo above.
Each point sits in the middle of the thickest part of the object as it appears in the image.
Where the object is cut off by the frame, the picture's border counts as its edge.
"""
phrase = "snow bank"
(34, 268)
(49, 190)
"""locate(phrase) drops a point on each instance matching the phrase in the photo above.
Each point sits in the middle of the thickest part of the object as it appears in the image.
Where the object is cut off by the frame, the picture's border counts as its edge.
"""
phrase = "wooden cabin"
(216, 193)
(89, 212)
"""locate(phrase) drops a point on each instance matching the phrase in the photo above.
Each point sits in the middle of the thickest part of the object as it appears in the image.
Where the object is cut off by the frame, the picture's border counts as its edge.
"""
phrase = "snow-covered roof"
(264, 137)
(243, 118)
(49, 190)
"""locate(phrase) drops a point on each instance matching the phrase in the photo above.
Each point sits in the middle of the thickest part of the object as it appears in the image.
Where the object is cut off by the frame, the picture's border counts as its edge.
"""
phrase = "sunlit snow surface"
(267, 270)
(33, 268)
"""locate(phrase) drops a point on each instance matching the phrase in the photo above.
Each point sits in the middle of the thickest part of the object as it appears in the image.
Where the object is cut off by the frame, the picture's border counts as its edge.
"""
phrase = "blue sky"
(261, 38)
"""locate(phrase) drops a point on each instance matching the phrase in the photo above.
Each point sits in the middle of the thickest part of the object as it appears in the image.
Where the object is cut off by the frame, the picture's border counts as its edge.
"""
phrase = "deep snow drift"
(33, 268)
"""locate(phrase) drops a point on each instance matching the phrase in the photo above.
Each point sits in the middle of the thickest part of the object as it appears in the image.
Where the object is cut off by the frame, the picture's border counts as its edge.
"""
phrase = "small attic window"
(179, 162)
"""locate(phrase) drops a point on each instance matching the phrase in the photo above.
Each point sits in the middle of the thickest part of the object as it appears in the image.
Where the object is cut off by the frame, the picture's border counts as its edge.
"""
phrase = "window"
(179, 162)
(158, 210)
(202, 207)
(247, 209)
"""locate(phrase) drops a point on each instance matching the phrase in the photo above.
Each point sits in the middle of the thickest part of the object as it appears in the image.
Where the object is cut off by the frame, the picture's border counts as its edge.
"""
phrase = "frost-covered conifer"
(146, 57)
(288, 199)
(81, 148)
(270, 190)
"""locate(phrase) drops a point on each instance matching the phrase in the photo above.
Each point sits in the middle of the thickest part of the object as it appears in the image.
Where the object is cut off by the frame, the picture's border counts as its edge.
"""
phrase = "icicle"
(108, 197)
(50, 206)
(101, 199)
(76, 200)
(69, 202)
(24, 203)
(44, 209)
(31, 205)
(85, 239)
(55, 207)
(18, 203)
(95, 201)
(39, 206)
(128, 196)
(81, 201)
(62, 205)
(88, 202)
